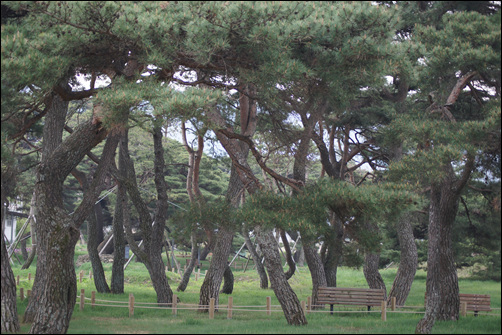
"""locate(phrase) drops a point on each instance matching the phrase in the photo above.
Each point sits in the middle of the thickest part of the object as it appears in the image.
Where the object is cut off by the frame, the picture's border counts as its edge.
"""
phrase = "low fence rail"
(267, 308)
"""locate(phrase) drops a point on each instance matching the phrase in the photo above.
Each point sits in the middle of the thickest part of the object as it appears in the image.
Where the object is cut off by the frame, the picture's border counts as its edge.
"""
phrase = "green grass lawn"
(112, 320)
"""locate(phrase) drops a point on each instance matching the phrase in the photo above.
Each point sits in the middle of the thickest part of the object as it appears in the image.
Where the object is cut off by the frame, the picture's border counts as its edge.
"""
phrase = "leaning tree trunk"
(408, 262)
(287, 298)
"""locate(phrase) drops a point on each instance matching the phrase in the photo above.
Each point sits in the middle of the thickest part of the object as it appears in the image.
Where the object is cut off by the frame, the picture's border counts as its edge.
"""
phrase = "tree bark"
(121, 214)
(442, 292)
(408, 262)
(9, 321)
(219, 262)
(58, 232)
(317, 271)
(334, 244)
(287, 298)
(371, 273)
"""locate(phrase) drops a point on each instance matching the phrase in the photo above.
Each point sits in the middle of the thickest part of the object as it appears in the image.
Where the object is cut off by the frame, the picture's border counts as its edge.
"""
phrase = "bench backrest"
(475, 302)
(350, 296)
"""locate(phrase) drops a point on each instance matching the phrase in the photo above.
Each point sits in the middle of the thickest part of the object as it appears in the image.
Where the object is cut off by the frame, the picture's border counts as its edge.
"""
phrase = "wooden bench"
(351, 296)
(474, 302)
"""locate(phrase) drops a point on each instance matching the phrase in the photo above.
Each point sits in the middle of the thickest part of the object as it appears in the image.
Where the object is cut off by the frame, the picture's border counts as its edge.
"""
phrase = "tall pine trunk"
(442, 292)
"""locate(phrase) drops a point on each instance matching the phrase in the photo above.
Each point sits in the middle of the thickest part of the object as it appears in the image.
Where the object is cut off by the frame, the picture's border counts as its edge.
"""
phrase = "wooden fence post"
(17, 281)
(309, 304)
(81, 275)
(304, 308)
(131, 304)
(463, 308)
(175, 304)
(211, 308)
(29, 276)
(93, 298)
(21, 293)
(82, 299)
(90, 274)
(28, 294)
(393, 303)
(230, 304)
(384, 310)
(268, 306)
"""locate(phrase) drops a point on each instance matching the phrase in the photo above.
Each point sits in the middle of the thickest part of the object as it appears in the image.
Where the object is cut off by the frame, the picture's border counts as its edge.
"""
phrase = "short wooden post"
(17, 281)
(393, 303)
(304, 307)
(82, 299)
(131, 304)
(21, 293)
(463, 308)
(90, 274)
(29, 276)
(175, 304)
(384, 310)
(93, 298)
(211, 308)
(268, 306)
(196, 276)
(230, 305)
(309, 304)
(28, 294)
(81, 275)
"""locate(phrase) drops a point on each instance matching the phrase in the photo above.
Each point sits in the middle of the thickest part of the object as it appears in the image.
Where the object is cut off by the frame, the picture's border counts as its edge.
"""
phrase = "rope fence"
(268, 308)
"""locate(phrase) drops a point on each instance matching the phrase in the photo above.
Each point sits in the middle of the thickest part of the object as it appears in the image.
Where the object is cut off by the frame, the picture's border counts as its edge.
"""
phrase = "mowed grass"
(113, 320)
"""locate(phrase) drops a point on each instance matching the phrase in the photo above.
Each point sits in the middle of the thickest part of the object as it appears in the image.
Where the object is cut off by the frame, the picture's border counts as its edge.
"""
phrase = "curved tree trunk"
(371, 273)
(289, 256)
(408, 263)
